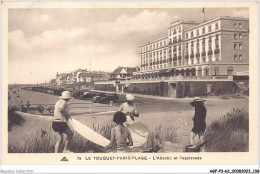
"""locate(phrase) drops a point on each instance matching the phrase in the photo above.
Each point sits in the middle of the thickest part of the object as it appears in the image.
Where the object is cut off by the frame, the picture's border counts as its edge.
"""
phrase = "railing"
(105, 82)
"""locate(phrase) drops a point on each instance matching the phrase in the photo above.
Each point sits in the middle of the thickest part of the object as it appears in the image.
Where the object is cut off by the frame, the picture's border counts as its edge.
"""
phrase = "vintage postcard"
(129, 83)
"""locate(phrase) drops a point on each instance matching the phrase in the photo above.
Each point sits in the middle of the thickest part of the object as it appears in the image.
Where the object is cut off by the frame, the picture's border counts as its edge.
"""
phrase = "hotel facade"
(194, 59)
(218, 47)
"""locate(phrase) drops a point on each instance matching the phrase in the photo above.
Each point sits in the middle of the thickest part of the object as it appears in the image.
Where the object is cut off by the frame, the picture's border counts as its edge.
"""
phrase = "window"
(209, 28)
(157, 45)
(187, 35)
(216, 36)
(206, 71)
(240, 36)
(235, 58)
(191, 34)
(203, 30)
(170, 32)
(210, 39)
(235, 25)
(216, 26)
(141, 50)
(164, 42)
(240, 46)
(216, 71)
(240, 25)
(203, 41)
(198, 46)
(187, 45)
(240, 57)
(179, 37)
(235, 46)
(198, 32)
(216, 44)
(210, 42)
(174, 31)
(235, 36)
(192, 61)
(160, 44)
(229, 70)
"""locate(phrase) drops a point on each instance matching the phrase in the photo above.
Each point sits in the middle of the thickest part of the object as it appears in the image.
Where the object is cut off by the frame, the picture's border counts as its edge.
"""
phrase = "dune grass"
(13, 118)
(44, 141)
(230, 133)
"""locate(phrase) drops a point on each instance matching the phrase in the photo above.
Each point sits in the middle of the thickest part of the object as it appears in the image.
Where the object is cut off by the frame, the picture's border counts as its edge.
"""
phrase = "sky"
(42, 42)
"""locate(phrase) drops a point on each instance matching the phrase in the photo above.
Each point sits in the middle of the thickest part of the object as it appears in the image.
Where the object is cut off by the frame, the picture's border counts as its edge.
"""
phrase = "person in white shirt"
(139, 131)
(129, 109)
(60, 122)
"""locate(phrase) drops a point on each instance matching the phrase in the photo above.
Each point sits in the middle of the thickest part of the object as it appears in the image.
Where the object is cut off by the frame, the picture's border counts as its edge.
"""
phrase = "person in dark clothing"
(199, 120)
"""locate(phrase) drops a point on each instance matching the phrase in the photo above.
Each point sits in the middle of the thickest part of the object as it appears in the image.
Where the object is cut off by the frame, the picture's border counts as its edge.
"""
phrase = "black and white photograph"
(144, 80)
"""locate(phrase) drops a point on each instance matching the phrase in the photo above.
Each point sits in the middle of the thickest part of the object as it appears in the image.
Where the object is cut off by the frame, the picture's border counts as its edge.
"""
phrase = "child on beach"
(120, 134)
(199, 120)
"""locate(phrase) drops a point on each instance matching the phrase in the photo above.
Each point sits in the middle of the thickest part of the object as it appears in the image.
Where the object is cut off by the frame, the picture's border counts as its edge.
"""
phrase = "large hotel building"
(218, 47)
(193, 59)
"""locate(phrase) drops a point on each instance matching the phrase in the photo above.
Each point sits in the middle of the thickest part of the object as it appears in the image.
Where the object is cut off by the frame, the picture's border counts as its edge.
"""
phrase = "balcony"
(177, 78)
(197, 55)
(174, 58)
(209, 52)
(186, 56)
(179, 57)
(216, 51)
(203, 54)
(191, 55)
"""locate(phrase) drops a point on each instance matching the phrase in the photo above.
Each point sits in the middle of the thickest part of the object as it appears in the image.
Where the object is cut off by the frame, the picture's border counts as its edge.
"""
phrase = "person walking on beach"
(120, 135)
(199, 120)
(60, 122)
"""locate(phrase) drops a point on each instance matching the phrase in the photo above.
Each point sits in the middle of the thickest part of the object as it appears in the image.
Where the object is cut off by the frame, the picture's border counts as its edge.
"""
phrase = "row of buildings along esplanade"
(217, 48)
